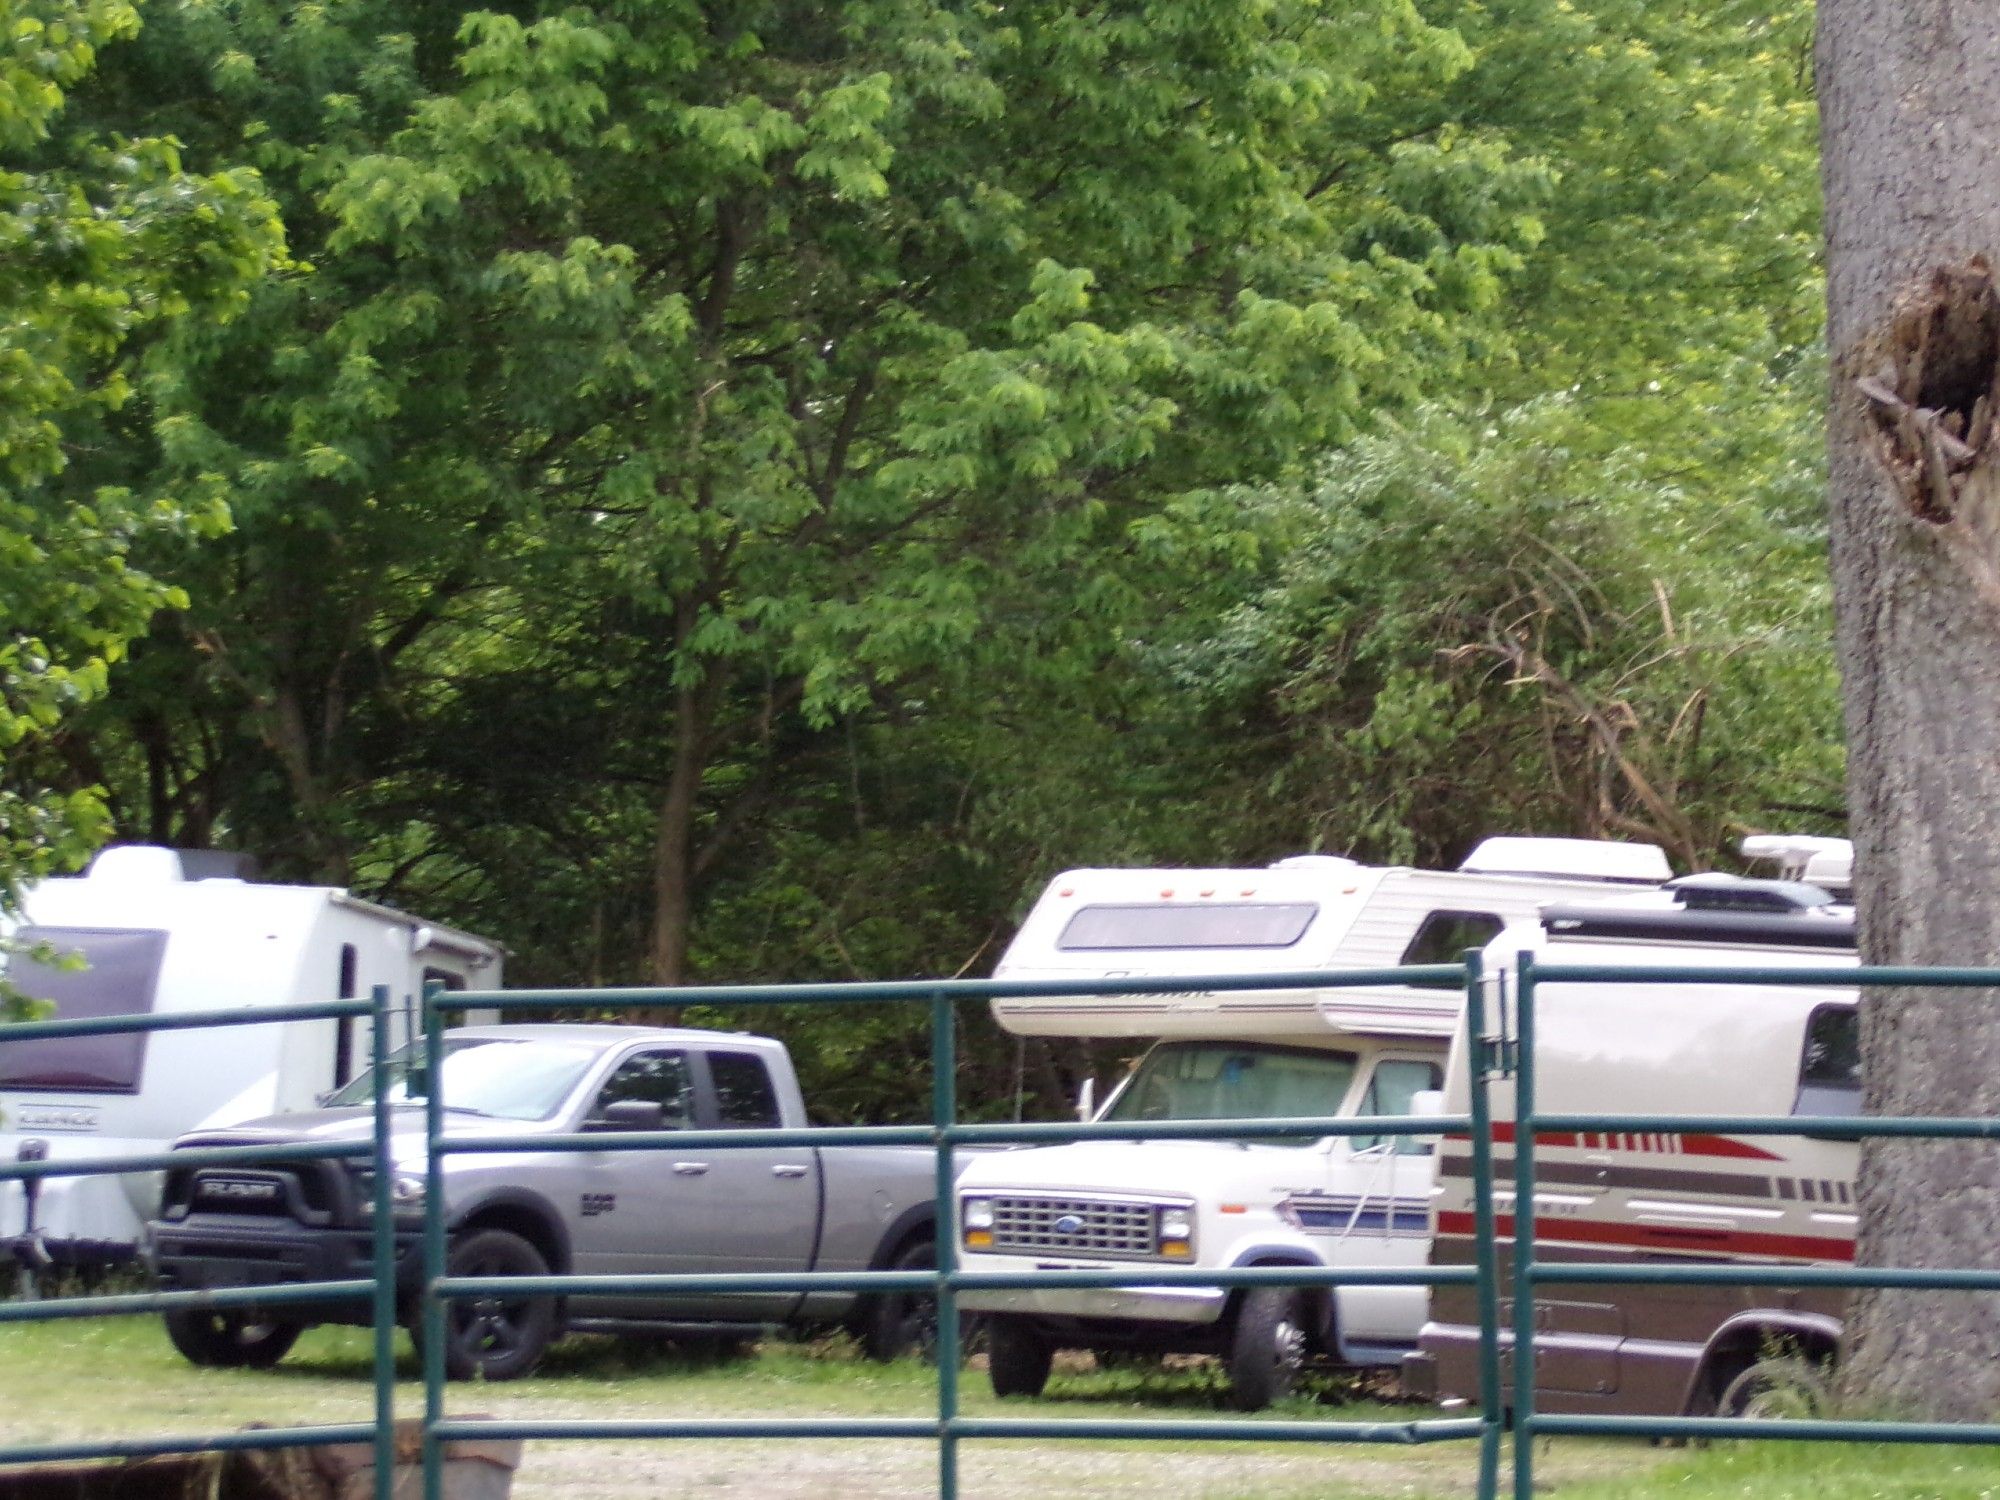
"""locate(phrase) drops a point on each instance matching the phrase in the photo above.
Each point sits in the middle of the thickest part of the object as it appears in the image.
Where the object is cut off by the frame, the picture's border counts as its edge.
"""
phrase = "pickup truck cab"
(756, 1209)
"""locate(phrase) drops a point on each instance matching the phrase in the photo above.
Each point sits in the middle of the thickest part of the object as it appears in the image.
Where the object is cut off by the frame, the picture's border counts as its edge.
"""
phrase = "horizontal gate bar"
(1247, 1429)
(1652, 1274)
(860, 1281)
(157, 1447)
(1818, 1127)
(282, 1293)
(203, 1156)
(1771, 1428)
(185, 1020)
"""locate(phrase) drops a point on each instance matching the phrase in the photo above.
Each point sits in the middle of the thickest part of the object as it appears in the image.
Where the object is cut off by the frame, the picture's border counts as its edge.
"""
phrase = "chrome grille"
(1075, 1226)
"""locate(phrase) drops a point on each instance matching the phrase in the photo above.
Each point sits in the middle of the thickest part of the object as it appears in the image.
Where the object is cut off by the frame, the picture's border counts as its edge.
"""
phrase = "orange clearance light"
(1232, 1208)
(1067, 891)
(1208, 893)
(1165, 894)
(978, 1239)
(1177, 1249)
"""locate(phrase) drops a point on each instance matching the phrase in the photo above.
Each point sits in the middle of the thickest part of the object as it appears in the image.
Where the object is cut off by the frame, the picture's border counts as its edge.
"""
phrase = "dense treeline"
(744, 491)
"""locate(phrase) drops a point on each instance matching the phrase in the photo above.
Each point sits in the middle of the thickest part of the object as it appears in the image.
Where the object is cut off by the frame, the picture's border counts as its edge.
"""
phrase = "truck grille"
(1075, 1226)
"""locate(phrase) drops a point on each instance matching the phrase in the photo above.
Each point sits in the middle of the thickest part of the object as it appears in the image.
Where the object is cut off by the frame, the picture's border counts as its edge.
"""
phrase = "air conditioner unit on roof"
(1580, 859)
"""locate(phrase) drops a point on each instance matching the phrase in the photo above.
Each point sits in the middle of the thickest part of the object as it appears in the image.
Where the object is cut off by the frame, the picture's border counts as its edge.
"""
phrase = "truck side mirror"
(1086, 1099)
(629, 1114)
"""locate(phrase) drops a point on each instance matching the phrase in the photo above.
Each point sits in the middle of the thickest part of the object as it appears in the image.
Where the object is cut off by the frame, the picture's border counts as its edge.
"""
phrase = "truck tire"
(897, 1323)
(1267, 1349)
(1017, 1357)
(230, 1340)
(495, 1338)
(1781, 1386)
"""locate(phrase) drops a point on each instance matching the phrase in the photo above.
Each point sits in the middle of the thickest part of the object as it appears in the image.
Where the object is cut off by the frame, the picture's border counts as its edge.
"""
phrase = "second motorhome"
(1637, 1198)
(1293, 1053)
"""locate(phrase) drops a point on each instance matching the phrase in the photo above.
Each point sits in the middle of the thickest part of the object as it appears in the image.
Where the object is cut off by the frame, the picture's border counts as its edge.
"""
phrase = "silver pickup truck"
(758, 1209)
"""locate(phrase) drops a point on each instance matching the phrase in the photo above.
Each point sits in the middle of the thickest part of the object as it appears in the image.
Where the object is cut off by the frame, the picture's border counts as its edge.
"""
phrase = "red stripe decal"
(1682, 1145)
(1663, 1237)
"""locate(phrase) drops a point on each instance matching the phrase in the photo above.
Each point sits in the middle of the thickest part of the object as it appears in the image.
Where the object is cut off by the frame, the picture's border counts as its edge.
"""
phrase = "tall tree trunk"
(1910, 105)
(673, 841)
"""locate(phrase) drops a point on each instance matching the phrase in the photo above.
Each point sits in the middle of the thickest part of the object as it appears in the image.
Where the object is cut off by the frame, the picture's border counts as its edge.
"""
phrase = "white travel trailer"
(162, 930)
(1756, 1200)
(1254, 1054)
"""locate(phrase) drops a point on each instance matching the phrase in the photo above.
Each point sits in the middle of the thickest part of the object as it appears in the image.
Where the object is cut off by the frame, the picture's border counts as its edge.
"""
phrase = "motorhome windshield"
(1201, 1080)
(83, 973)
(496, 1076)
(1233, 924)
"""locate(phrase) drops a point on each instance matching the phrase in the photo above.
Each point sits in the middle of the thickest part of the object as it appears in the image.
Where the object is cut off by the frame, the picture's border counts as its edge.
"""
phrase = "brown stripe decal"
(1647, 1179)
(1665, 1237)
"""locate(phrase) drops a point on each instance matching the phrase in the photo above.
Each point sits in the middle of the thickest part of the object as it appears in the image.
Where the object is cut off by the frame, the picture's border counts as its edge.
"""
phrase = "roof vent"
(1740, 893)
(1328, 862)
(1818, 861)
(1570, 859)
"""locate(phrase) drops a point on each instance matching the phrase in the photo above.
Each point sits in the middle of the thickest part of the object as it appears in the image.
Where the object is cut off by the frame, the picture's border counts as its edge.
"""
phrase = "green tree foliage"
(730, 363)
(106, 246)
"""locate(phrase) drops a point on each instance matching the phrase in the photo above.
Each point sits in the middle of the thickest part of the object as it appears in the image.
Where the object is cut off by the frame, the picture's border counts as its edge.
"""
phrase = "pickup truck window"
(1230, 924)
(660, 1078)
(507, 1079)
(744, 1098)
(1235, 1081)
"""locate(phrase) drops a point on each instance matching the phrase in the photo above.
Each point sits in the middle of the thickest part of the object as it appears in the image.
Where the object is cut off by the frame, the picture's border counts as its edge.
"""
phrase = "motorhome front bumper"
(1137, 1304)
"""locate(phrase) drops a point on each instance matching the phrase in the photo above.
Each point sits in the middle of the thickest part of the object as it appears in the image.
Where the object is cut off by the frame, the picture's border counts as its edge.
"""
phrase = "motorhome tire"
(221, 1340)
(1017, 1357)
(495, 1338)
(1267, 1349)
(1783, 1386)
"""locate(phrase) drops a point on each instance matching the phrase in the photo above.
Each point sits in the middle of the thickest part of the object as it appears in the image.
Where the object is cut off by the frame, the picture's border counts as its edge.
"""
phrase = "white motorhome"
(1251, 1054)
(1756, 1200)
(150, 930)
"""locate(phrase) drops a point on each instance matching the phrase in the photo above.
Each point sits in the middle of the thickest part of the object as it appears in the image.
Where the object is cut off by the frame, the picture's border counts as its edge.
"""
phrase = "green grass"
(105, 1377)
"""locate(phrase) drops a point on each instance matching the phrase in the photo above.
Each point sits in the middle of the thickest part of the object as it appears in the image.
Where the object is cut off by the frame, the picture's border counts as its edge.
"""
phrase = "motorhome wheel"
(1775, 1388)
(1268, 1349)
(1017, 1357)
(495, 1338)
(223, 1340)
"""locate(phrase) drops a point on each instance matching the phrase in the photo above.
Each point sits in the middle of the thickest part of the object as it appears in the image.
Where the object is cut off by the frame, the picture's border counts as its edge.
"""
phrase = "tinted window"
(1229, 925)
(1444, 937)
(1391, 1087)
(657, 1078)
(94, 972)
(1830, 1066)
(743, 1093)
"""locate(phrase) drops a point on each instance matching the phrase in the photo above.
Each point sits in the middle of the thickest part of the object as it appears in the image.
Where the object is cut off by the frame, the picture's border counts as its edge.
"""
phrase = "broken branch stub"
(1931, 379)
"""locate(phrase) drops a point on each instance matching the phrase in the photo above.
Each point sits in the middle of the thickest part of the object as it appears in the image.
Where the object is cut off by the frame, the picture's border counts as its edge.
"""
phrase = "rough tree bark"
(1910, 107)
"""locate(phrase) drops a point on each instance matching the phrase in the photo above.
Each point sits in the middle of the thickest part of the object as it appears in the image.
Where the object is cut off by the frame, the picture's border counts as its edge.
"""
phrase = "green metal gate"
(1502, 1047)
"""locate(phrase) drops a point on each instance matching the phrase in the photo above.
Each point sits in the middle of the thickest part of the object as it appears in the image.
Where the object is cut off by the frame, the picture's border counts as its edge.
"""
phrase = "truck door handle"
(788, 1171)
(690, 1168)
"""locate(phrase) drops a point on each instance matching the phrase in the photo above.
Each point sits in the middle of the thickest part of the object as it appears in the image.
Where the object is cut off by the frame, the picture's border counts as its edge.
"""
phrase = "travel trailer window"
(496, 1076)
(1391, 1087)
(743, 1094)
(1234, 924)
(117, 976)
(1217, 1080)
(1444, 937)
(1830, 1068)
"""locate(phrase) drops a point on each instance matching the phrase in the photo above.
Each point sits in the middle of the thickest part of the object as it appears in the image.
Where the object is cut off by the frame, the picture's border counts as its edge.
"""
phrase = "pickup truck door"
(763, 1202)
(640, 1213)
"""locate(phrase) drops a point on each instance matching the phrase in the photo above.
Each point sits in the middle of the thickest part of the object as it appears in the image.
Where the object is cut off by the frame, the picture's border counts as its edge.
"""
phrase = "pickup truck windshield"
(1235, 1081)
(497, 1076)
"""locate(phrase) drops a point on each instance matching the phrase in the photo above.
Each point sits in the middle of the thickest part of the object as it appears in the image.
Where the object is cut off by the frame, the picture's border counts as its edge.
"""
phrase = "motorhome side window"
(83, 973)
(1222, 924)
(1830, 1066)
(660, 1078)
(1444, 937)
(1394, 1083)
(744, 1098)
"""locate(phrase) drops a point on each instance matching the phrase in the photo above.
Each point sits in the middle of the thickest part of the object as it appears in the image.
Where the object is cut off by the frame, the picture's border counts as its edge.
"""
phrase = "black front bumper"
(195, 1256)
